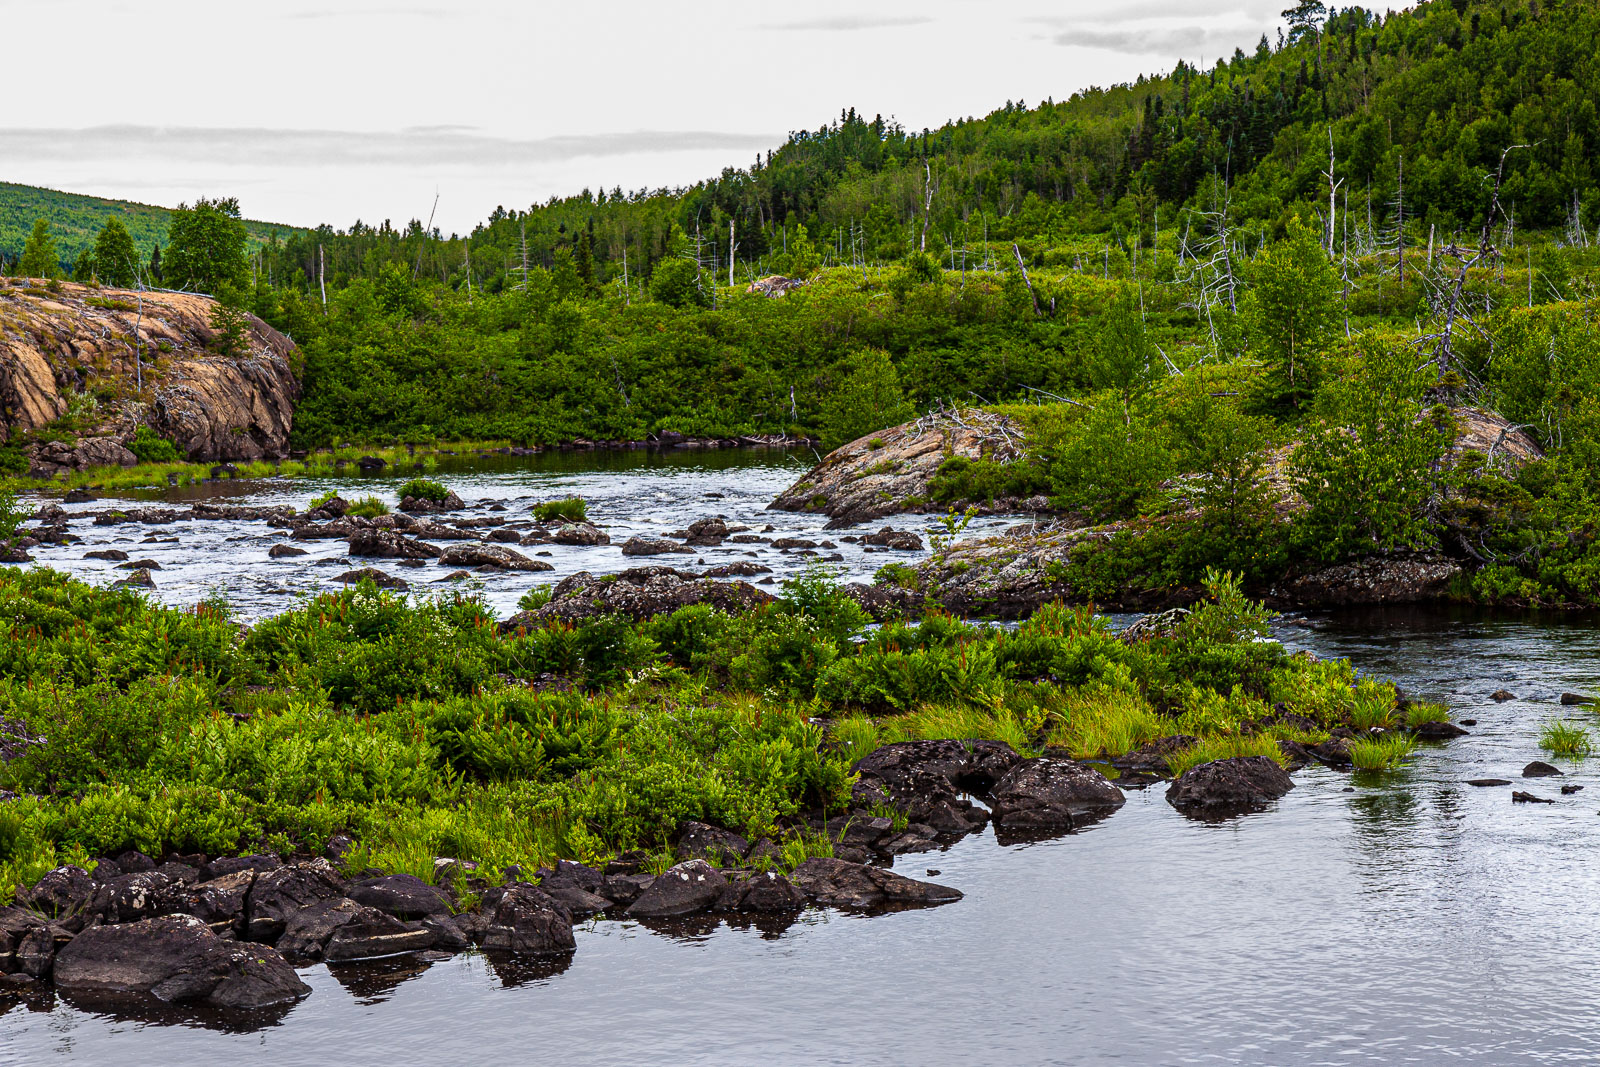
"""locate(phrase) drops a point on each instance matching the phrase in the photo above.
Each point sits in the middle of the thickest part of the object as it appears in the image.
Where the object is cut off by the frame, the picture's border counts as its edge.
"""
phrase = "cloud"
(1150, 40)
(850, 23)
(435, 148)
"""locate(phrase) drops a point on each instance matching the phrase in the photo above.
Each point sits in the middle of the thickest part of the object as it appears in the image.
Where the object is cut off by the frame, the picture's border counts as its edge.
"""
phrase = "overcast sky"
(328, 112)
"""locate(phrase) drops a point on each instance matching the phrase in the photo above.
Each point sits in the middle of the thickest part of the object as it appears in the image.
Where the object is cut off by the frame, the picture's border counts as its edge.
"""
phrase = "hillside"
(75, 219)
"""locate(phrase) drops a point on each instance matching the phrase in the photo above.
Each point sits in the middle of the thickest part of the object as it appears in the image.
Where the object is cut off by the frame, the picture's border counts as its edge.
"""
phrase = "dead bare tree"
(1016, 251)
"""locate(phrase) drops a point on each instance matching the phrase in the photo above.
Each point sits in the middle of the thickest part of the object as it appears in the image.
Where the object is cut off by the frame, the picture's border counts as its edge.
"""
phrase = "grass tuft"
(1565, 739)
(1381, 753)
(571, 509)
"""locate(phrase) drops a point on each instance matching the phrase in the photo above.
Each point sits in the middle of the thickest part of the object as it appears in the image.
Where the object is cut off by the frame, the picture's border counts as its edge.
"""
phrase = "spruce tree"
(1291, 316)
(83, 267)
(39, 256)
(116, 261)
(205, 247)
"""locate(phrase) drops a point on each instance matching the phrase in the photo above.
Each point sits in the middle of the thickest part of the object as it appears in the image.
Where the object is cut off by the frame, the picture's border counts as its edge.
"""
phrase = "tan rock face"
(123, 359)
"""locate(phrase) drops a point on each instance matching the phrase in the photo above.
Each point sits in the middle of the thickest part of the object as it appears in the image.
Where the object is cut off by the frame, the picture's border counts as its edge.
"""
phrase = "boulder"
(764, 891)
(1500, 696)
(277, 895)
(176, 958)
(687, 888)
(707, 533)
(1051, 794)
(527, 922)
(414, 505)
(896, 540)
(63, 891)
(1541, 769)
(376, 577)
(332, 508)
(649, 546)
(1374, 580)
(115, 555)
(697, 840)
(971, 766)
(282, 551)
(581, 533)
(840, 884)
(1573, 699)
(102, 452)
(220, 902)
(139, 579)
(470, 554)
(640, 593)
(375, 543)
(1229, 786)
(141, 895)
(402, 895)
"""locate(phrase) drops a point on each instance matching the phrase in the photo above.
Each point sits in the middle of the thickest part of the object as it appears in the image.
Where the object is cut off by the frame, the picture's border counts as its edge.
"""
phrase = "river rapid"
(1386, 918)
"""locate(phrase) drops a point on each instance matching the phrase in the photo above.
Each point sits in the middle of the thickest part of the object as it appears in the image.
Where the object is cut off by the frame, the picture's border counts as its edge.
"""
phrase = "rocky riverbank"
(109, 360)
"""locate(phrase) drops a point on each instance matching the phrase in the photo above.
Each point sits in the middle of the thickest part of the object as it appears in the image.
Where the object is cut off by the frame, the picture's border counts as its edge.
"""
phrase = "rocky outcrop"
(1052, 794)
(1374, 580)
(132, 359)
(838, 883)
(889, 471)
(1228, 787)
(640, 593)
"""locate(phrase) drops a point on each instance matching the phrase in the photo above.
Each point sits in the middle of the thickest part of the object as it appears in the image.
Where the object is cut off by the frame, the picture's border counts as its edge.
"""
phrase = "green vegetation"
(423, 489)
(150, 447)
(1564, 739)
(410, 724)
(1381, 753)
(368, 507)
(569, 509)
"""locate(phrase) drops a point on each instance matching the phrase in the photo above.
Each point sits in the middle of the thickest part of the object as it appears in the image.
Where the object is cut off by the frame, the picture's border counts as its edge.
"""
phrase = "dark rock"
(306, 933)
(141, 895)
(505, 537)
(764, 891)
(899, 540)
(1519, 797)
(403, 895)
(1374, 580)
(1481, 782)
(793, 542)
(624, 889)
(372, 463)
(841, 884)
(682, 890)
(1048, 793)
(479, 555)
(1500, 696)
(528, 922)
(1568, 790)
(283, 551)
(580, 533)
(640, 593)
(333, 508)
(973, 766)
(177, 958)
(1335, 752)
(1575, 698)
(1438, 731)
(1469, 722)
(35, 953)
(226, 865)
(139, 579)
(1228, 786)
(707, 533)
(699, 841)
(113, 554)
(277, 895)
(62, 891)
(1540, 769)
(414, 505)
(376, 543)
(371, 933)
(648, 546)
(220, 903)
(139, 564)
(742, 569)
(375, 576)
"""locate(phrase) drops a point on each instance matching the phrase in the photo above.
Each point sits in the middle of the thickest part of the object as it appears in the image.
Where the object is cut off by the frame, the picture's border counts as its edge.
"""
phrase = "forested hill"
(75, 220)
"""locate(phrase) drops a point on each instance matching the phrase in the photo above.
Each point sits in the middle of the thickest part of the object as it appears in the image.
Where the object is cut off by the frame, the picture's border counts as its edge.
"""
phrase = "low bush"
(368, 507)
(424, 489)
(150, 447)
(570, 509)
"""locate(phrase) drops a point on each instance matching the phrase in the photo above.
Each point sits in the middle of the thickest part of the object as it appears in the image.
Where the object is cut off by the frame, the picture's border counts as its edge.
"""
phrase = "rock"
(220, 902)
(1571, 699)
(742, 569)
(1374, 580)
(375, 576)
(890, 471)
(1500, 696)
(1483, 782)
(451, 502)
(973, 766)
(281, 551)
(1519, 797)
(402, 895)
(647, 546)
(371, 464)
(764, 891)
(371, 933)
(774, 286)
(505, 537)
(377, 543)
(639, 593)
(687, 888)
(624, 889)
(897, 540)
(527, 922)
(141, 895)
(793, 542)
(102, 452)
(306, 932)
(111, 554)
(479, 555)
(1229, 786)
(1568, 790)
(581, 533)
(63, 891)
(177, 958)
(707, 533)
(1540, 769)
(1438, 731)
(1048, 793)
(840, 884)
(332, 508)
(277, 895)
(35, 953)
(697, 840)
(139, 564)
(139, 579)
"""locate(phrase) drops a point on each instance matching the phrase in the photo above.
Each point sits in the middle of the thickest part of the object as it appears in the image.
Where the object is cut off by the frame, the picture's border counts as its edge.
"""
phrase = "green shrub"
(424, 489)
(570, 509)
(1381, 753)
(149, 447)
(368, 507)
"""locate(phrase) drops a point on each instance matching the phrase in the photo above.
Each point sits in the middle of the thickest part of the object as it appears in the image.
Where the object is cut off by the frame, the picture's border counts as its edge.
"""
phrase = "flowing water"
(1370, 919)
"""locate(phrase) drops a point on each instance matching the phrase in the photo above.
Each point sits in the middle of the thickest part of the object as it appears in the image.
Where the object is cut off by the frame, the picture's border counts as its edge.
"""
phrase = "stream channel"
(1385, 918)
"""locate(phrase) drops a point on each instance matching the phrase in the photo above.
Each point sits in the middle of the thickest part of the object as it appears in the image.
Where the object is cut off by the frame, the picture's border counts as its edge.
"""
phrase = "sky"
(378, 109)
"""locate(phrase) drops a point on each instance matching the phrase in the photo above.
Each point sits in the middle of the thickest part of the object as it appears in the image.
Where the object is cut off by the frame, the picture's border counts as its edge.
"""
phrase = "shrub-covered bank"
(421, 744)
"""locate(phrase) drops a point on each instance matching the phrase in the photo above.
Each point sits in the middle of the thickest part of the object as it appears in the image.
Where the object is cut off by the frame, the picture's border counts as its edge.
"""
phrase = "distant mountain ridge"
(75, 219)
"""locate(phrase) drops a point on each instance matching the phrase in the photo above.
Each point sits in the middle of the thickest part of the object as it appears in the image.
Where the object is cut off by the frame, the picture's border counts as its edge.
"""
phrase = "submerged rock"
(640, 593)
(649, 546)
(838, 883)
(1052, 794)
(480, 555)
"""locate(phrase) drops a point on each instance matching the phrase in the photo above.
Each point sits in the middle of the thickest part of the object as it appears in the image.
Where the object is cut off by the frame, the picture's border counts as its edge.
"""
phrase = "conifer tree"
(39, 256)
(83, 267)
(116, 261)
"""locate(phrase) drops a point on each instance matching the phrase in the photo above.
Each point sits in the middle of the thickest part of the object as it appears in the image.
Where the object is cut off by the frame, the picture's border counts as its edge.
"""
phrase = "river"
(1385, 918)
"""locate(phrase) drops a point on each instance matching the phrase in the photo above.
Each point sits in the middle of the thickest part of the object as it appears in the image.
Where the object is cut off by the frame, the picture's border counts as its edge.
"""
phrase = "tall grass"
(936, 721)
(1381, 753)
(1212, 749)
(1564, 739)
(571, 509)
(1105, 723)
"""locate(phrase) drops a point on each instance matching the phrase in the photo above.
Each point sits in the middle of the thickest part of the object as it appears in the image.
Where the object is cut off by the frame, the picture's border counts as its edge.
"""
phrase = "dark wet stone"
(687, 888)
(139, 579)
(470, 554)
(284, 551)
(1568, 790)
(277, 895)
(899, 540)
(1049, 793)
(224, 865)
(375, 576)
(1486, 782)
(402, 895)
(376, 543)
(59, 892)
(1576, 698)
(115, 555)
(177, 958)
(624, 889)
(697, 840)
(527, 922)
(1519, 797)
(707, 533)
(841, 884)
(764, 891)
(1540, 769)
(1438, 731)
(139, 564)
(1229, 786)
(1500, 696)
(141, 895)
(220, 902)
(652, 546)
